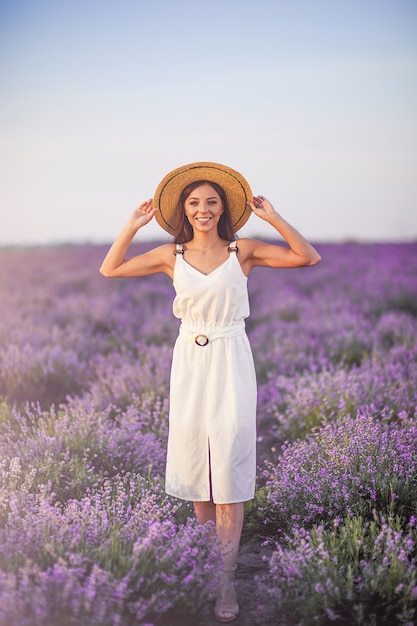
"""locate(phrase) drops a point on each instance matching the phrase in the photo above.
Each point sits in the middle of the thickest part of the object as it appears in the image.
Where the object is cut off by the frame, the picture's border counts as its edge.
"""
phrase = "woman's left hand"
(262, 207)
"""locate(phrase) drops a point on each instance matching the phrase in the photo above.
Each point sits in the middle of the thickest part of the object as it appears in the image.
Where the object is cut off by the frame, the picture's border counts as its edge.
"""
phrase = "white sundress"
(212, 422)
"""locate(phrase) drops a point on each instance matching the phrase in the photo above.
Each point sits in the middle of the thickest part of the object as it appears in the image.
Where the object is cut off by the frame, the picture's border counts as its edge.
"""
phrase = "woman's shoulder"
(165, 249)
(246, 245)
(163, 255)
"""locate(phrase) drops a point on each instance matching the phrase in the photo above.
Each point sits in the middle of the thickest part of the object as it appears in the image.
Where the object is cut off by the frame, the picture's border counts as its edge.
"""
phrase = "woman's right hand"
(143, 214)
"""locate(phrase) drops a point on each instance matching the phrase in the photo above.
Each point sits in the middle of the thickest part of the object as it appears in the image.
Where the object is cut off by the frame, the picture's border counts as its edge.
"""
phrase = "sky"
(313, 102)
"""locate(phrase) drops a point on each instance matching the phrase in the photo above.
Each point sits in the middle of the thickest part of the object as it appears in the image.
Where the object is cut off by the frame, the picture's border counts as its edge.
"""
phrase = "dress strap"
(233, 246)
(179, 249)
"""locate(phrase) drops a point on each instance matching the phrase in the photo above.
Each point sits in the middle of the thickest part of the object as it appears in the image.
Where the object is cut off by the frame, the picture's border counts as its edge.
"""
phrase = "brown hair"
(184, 231)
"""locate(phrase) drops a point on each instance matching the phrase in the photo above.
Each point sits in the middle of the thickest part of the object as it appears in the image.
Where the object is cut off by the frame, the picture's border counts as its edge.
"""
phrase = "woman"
(212, 436)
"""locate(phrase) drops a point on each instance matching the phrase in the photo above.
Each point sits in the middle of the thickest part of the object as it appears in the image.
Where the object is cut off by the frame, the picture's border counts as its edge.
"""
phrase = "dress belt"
(202, 335)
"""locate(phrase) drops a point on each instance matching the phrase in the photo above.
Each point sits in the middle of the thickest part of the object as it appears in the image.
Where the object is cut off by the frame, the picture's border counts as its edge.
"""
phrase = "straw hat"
(237, 191)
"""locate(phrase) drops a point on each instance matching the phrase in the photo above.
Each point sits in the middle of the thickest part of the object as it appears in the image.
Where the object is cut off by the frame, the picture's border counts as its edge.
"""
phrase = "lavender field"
(87, 535)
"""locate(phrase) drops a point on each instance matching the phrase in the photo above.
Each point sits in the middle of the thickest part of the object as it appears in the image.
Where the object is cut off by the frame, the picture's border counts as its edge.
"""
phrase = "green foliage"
(6, 414)
(358, 573)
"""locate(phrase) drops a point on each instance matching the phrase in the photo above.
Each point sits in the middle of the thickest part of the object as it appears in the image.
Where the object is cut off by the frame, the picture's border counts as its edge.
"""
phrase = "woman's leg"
(229, 522)
(205, 512)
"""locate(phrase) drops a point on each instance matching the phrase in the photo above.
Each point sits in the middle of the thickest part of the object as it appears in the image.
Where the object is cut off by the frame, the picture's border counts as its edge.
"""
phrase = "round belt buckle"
(201, 340)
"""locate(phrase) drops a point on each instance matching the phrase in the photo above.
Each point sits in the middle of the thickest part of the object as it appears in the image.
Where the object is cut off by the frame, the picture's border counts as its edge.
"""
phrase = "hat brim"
(236, 188)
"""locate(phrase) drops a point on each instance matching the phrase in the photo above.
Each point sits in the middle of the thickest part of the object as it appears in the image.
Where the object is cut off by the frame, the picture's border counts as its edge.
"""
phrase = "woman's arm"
(160, 259)
(299, 252)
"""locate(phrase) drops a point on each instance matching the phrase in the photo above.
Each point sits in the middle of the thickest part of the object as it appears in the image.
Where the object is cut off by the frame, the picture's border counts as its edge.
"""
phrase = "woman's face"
(203, 207)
